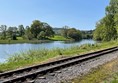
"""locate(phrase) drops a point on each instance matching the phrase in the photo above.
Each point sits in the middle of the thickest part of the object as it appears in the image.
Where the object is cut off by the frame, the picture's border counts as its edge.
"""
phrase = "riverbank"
(33, 57)
(23, 41)
(35, 41)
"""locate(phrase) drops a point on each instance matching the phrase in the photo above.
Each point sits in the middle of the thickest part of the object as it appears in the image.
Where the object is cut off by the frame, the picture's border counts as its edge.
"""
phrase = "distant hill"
(86, 34)
(57, 30)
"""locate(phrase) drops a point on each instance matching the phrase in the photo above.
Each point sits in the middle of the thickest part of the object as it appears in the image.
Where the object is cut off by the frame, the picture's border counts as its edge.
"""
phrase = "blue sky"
(80, 14)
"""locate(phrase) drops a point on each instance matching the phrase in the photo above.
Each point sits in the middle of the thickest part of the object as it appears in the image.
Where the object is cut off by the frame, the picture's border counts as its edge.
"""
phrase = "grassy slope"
(59, 38)
(21, 40)
(33, 57)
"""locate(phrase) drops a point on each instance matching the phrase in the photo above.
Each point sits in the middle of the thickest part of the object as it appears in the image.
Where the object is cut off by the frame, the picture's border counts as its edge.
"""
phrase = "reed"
(37, 56)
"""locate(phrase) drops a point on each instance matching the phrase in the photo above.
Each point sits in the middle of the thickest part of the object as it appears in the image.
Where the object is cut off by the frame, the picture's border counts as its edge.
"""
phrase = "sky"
(79, 14)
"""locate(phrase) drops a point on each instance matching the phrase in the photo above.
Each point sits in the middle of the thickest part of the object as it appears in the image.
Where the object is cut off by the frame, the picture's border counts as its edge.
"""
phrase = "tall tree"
(36, 28)
(48, 30)
(12, 32)
(105, 30)
(64, 31)
(41, 35)
(106, 27)
(112, 10)
(3, 30)
(74, 34)
(28, 34)
(21, 30)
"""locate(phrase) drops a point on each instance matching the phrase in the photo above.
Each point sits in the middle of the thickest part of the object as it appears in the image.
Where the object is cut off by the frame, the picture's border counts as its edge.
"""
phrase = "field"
(59, 38)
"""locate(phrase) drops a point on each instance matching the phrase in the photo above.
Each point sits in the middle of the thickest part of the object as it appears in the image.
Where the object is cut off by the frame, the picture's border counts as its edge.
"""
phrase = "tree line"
(37, 30)
(107, 27)
(72, 33)
(41, 31)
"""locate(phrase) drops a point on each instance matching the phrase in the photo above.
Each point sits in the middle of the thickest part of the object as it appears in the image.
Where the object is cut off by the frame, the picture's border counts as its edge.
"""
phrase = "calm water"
(7, 49)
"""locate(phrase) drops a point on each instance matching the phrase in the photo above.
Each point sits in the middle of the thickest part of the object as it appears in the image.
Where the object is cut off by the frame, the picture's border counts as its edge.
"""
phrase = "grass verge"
(107, 73)
(37, 56)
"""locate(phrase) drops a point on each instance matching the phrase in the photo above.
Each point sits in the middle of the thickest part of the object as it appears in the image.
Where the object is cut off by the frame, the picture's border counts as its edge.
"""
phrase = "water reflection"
(8, 49)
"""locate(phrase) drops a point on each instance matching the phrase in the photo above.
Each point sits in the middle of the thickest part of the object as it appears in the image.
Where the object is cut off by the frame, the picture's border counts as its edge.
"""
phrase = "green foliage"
(48, 30)
(71, 33)
(64, 31)
(106, 28)
(74, 34)
(36, 28)
(11, 32)
(88, 34)
(41, 35)
(105, 31)
(3, 30)
(39, 29)
(21, 30)
(28, 35)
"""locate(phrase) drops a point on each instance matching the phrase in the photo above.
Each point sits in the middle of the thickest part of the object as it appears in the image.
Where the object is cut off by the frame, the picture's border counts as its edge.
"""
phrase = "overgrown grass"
(37, 56)
(59, 38)
(115, 78)
(101, 74)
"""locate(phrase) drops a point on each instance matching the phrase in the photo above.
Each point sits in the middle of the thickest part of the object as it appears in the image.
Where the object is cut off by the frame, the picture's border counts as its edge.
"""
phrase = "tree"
(64, 31)
(41, 35)
(71, 33)
(3, 30)
(87, 34)
(21, 30)
(36, 28)
(74, 34)
(105, 31)
(12, 32)
(48, 30)
(28, 34)
(106, 28)
(112, 10)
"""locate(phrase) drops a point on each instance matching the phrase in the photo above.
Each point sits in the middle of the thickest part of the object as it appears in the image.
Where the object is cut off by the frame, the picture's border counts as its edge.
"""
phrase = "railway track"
(28, 74)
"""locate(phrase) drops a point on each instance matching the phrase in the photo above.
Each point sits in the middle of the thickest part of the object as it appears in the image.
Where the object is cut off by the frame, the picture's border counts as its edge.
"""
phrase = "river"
(6, 50)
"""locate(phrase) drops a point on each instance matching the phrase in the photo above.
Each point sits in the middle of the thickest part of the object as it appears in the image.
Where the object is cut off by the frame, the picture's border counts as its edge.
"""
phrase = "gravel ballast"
(74, 71)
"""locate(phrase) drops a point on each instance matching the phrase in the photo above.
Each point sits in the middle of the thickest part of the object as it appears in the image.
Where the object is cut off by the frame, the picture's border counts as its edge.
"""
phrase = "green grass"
(59, 38)
(99, 75)
(19, 38)
(37, 56)
(115, 78)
